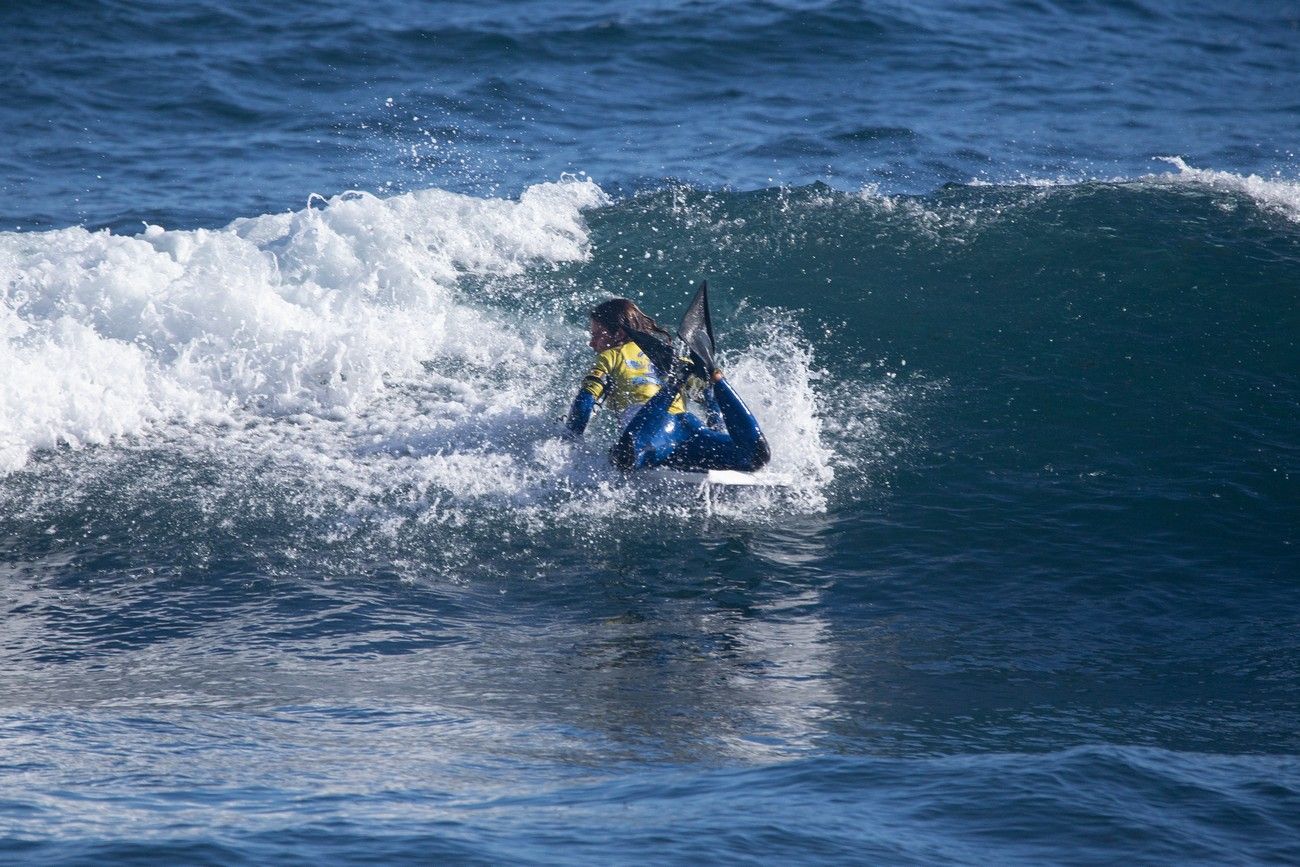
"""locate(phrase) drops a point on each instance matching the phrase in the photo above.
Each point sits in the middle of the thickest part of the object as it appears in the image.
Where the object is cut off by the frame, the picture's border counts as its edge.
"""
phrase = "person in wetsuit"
(655, 428)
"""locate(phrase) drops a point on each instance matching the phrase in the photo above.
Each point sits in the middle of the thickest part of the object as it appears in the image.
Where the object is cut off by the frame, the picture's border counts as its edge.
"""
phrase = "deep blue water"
(296, 569)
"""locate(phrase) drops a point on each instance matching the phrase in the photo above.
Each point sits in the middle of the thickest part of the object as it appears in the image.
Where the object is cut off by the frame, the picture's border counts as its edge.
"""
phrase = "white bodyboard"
(722, 478)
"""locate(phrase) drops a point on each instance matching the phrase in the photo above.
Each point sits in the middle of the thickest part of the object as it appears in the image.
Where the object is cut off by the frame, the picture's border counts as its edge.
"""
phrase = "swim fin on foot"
(696, 333)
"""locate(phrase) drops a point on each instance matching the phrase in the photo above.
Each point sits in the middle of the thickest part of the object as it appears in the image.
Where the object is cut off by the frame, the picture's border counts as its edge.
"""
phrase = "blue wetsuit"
(657, 437)
(659, 431)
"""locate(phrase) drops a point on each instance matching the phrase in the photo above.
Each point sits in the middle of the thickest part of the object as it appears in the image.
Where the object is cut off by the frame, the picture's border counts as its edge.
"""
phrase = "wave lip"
(1276, 195)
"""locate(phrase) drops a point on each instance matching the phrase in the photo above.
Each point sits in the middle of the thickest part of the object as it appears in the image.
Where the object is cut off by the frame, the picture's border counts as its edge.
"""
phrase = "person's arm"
(580, 413)
(589, 394)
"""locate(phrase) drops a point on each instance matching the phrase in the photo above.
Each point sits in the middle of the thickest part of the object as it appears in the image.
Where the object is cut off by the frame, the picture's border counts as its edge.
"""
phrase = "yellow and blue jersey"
(624, 377)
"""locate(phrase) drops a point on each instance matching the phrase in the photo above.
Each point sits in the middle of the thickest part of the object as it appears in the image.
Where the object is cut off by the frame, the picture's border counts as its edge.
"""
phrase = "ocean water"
(296, 568)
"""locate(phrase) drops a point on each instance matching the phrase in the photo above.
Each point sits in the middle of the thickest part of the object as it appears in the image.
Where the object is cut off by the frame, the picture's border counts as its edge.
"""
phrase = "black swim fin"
(696, 332)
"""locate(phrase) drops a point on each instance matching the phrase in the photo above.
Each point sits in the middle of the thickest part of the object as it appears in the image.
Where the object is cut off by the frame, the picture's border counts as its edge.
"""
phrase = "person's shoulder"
(610, 357)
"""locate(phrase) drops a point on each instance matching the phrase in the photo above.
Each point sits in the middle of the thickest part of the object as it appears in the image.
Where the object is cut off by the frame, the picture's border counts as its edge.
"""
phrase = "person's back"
(624, 379)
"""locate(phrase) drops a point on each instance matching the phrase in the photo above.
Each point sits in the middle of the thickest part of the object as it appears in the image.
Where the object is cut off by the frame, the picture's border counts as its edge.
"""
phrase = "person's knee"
(762, 454)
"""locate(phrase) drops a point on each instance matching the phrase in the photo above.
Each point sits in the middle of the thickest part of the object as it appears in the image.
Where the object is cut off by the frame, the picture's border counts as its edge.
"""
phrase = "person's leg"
(652, 435)
(742, 447)
(656, 437)
(753, 451)
(709, 450)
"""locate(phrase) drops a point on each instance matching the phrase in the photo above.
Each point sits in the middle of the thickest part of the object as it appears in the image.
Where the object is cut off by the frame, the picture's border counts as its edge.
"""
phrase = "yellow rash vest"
(626, 379)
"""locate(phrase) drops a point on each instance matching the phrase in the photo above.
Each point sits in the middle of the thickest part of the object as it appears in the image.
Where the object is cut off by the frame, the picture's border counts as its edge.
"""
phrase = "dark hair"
(620, 313)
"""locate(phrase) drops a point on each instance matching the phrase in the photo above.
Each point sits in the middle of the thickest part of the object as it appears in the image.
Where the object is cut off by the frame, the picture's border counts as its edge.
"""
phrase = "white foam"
(1273, 194)
(776, 375)
(306, 312)
(1277, 195)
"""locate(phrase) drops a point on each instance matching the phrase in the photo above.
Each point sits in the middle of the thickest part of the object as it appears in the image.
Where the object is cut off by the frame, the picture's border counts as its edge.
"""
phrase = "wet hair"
(620, 313)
